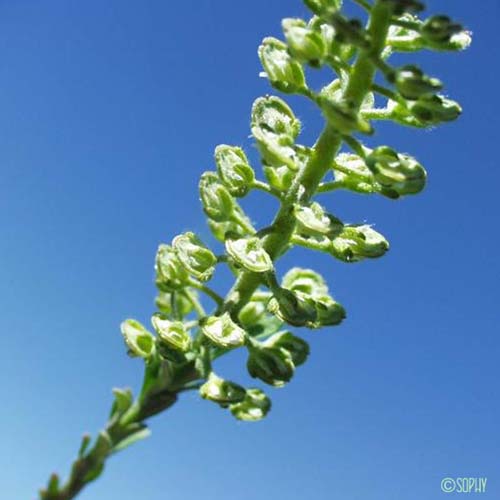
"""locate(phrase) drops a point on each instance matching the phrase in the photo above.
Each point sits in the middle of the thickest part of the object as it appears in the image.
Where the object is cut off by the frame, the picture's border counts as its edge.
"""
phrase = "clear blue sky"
(109, 113)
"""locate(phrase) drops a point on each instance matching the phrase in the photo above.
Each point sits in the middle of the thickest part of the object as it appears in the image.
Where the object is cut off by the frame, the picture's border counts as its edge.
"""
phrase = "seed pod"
(217, 202)
(343, 116)
(356, 243)
(198, 260)
(170, 274)
(275, 128)
(254, 407)
(234, 170)
(305, 281)
(293, 308)
(434, 109)
(222, 391)
(274, 366)
(172, 333)
(285, 74)
(304, 44)
(297, 348)
(223, 331)
(438, 30)
(249, 254)
(313, 220)
(329, 312)
(139, 341)
(352, 172)
(401, 6)
(411, 82)
(398, 174)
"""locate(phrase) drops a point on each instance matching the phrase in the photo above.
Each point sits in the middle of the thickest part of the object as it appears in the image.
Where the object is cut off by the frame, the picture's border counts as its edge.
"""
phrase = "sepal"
(249, 254)
(197, 259)
(234, 169)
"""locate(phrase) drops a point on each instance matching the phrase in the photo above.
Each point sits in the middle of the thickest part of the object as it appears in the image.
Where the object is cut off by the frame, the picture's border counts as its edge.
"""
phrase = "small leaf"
(139, 433)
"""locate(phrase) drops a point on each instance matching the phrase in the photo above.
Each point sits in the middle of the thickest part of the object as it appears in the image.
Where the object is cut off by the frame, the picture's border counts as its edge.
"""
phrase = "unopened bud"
(352, 172)
(280, 178)
(412, 83)
(323, 7)
(305, 281)
(217, 202)
(356, 243)
(329, 312)
(434, 109)
(234, 170)
(249, 254)
(172, 333)
(293, 308)
(223, 331)
(254, 407)
(398, 174)
(439, 29)
(284, 73)
(274, 366)
(222, 391)
(139, 341)
(350, 31)
(343, 116)
(198, 260)
(304, 44)
(313, 220)
(401, 6)
(170, 274)
(297, 348)
(182, 305)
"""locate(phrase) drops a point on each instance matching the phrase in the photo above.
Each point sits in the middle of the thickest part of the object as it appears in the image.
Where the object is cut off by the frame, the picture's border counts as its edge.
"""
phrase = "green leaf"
(138, 433)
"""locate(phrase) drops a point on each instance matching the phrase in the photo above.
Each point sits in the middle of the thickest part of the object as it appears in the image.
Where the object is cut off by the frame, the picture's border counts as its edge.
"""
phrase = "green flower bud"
(222, 391)
(293, 308)
(398, 174)
(329, 312)
(139, 341)
(356, 243)
(284, 73)
(253, 312)
(353, 173)
(275, 128)
(172, 333)
(183, 305)
(274, 366)
(434, 109)
(280, 178)
(234, 170)
(343, 115)
(350, 31)
(198, 260)
(305, 281)
(412, 83)
(254, 407)
(323, 7)
(223, 331)
(304, 44)
(313, 220)
(401, 6)
(249, 254)
(437, 30)
(217, 202)
(297, 348)
(170, 274)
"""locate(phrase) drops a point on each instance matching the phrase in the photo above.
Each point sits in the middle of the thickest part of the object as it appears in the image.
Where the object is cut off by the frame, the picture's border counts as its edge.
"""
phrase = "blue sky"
(109, 113)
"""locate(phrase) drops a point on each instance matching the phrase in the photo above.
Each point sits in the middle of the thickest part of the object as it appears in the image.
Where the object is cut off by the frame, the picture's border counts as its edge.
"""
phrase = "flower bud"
(183, 306)
(223, 331)
(280, 178)
(398, 174)
(352, 172)
(304, 44)
(217, 202)
(329, 312)
(222, 391)
(437, 30)
(275, 128)
(323, 7)
(139, 341)
(412, 83)
(401, 6)
(284, 73)
(350, 31)
(171, 333)
(234, 170)
(297, 348)
(274, 366)
(313, 220)
(249, 254)
(293, 308)
(170, 274)
(197, 259)
(343, 116)
(356, 243)
(305, 281)
(221, 229)
(255, 406)
(434, 109)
